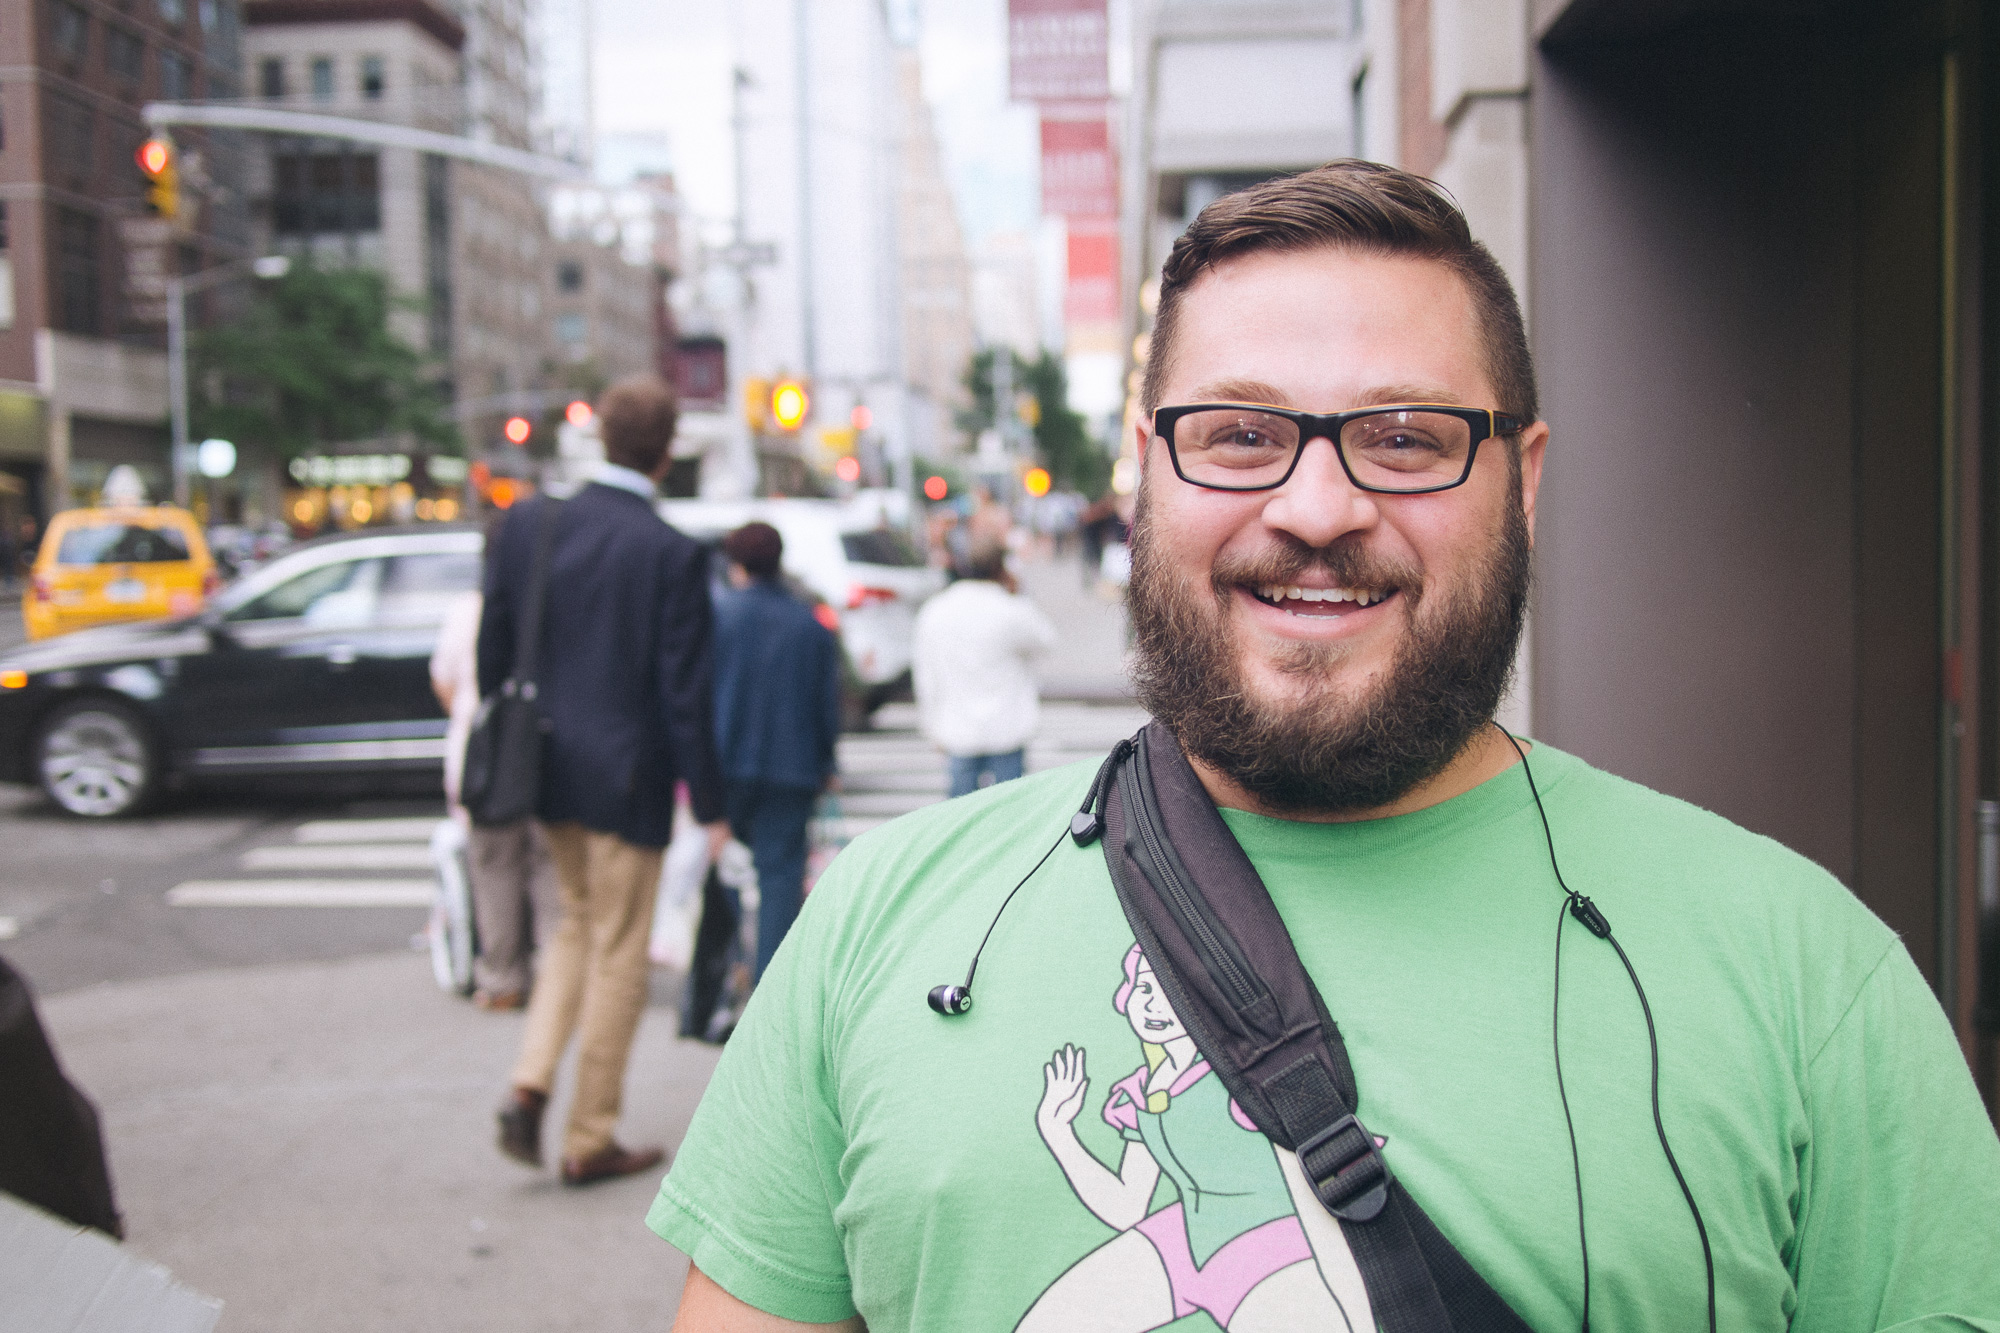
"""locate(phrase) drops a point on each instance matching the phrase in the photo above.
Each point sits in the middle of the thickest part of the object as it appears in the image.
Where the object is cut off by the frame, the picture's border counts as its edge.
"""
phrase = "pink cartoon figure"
(1231, 1245)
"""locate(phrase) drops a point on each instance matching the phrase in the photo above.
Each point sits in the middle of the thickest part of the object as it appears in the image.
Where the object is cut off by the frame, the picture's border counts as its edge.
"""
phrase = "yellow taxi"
(128, 562)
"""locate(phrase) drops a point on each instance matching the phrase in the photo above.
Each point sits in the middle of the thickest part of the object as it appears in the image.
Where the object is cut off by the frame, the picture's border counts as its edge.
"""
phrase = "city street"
(299, 1122)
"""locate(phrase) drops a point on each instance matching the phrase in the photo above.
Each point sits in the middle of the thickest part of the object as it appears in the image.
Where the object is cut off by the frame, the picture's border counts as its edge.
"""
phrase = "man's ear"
(1534, 443)
(1141, 437)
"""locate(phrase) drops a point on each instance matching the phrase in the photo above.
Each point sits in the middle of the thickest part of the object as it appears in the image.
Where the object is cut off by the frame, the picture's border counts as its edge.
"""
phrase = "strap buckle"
(1346, 1170)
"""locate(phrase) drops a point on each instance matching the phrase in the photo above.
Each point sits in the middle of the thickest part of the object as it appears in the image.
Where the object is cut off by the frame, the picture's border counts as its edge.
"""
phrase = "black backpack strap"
(1226, 962)
(528, 637)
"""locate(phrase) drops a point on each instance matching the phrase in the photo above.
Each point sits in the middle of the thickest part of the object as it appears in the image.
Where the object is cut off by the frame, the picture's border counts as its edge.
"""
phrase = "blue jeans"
(967, 769)
(771, 820)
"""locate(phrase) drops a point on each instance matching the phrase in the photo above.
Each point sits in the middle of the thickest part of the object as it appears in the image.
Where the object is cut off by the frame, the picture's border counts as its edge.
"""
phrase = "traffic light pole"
(177, 386)
(178, 287)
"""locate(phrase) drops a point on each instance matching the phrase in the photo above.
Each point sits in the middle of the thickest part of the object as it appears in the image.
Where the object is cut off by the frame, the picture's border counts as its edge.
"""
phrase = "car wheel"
(96, 759)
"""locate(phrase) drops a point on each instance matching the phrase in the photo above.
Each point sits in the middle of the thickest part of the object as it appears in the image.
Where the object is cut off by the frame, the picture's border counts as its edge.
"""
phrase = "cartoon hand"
(1063, 1086)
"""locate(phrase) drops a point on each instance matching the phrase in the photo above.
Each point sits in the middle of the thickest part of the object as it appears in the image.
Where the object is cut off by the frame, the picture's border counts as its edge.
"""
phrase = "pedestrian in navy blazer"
(625, 683)
(777, 716)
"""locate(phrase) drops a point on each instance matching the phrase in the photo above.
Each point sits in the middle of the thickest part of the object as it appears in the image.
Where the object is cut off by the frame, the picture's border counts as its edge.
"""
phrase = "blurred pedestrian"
(777, 716)
(514, 898)
(625, 690)
(974, 652)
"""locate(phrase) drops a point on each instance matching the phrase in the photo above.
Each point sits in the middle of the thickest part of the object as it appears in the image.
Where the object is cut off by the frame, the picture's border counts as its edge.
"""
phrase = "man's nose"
(1319, 503)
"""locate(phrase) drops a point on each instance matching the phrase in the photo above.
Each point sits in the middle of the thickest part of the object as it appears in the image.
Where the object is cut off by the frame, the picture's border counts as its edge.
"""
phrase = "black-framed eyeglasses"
(1393, 448)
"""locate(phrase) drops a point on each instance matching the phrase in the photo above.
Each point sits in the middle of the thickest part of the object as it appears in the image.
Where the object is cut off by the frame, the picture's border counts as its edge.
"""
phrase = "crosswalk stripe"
(339, 856)
(365, 830)
(302, 893)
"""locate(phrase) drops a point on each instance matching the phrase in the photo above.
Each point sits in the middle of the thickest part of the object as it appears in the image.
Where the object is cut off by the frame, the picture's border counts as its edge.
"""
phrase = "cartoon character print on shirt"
(1233, 1245)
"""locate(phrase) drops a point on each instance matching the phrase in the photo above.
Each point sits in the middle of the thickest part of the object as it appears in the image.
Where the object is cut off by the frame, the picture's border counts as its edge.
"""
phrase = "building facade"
(83, 262)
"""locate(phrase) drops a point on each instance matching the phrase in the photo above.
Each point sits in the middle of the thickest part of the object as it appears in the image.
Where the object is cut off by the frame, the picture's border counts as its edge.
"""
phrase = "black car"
(317, 663)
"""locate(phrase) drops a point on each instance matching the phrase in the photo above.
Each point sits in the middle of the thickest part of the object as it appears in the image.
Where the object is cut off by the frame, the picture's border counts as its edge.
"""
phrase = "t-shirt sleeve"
(1899, 1209)
(750, 1198)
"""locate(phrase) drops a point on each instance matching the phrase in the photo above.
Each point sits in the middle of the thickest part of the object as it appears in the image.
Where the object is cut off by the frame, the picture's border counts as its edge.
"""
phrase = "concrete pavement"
(313, 1144)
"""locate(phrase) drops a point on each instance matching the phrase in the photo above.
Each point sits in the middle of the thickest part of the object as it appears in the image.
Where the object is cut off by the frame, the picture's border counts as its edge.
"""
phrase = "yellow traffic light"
(1035, 481)
(790, 404)
(163, 191)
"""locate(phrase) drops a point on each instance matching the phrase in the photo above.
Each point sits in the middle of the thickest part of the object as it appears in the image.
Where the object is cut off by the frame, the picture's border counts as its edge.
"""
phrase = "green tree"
(313, 362)
(1075, 461)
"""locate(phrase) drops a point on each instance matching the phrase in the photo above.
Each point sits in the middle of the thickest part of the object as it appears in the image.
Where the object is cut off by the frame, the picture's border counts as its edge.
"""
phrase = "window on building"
(72, 136)
(374, 77)
(124, 53)
(69, 29)
(569, 276)
(173, 13)
(322, 78)
(77, 308)
(325, 193)
(175, 82)
(6, 273)
(271, 77)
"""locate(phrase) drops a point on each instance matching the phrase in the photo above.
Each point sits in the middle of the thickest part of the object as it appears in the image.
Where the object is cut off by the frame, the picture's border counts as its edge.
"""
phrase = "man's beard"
(1330, 751)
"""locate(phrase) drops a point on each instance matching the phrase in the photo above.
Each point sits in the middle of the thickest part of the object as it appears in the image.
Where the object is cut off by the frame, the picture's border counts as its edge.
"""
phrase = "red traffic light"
(861, 418)
(154, 156)
(517, 430)
(847, 468)
(577, 413)
(936, 488)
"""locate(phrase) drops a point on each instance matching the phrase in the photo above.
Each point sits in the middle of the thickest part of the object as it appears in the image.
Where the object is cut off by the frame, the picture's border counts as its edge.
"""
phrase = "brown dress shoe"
(521, 1125)
(610, 1163)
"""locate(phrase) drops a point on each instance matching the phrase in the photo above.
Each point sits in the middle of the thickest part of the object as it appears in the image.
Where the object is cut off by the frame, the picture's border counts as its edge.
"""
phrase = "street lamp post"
(178, 287)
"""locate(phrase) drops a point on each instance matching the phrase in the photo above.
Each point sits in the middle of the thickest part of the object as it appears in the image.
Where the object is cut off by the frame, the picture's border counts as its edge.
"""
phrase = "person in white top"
(514, 899)
(973, 669)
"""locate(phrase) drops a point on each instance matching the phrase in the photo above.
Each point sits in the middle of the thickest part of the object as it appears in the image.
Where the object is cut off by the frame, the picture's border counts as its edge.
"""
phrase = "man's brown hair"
(635, 418)
(1350, 205)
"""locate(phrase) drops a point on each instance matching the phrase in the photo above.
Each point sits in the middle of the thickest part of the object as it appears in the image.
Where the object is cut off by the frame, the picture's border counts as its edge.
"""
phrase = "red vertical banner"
(1091, 295)
(1079, 170)
(1058, 50)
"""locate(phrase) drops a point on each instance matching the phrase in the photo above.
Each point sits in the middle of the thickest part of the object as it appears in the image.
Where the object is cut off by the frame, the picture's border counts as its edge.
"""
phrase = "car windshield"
(121, 544)
(880, 546)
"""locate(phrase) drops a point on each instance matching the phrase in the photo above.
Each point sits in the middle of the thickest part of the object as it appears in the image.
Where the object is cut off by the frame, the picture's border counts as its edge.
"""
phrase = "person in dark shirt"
(777, 715)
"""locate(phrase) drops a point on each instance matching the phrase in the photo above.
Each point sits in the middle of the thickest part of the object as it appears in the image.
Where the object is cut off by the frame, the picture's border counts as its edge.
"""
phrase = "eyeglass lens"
(1242, 448)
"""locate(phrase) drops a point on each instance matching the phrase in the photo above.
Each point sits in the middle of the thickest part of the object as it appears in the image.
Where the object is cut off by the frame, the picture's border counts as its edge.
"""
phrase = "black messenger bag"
(1222, 954)
(503, 754)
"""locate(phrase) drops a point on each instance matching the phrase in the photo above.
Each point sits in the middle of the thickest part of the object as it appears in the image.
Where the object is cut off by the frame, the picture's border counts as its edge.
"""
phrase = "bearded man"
(1340, 454)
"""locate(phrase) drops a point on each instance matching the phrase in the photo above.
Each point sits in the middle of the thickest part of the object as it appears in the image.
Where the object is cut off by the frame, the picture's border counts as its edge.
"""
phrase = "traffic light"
(517, 430)
(163, 190)
(790, 404)
(756, 402)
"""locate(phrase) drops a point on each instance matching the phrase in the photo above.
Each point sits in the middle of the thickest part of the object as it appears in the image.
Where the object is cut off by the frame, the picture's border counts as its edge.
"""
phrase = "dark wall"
(1735, 297)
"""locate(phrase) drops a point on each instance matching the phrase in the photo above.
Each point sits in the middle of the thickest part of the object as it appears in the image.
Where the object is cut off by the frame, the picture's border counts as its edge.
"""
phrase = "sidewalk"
(314, 1178)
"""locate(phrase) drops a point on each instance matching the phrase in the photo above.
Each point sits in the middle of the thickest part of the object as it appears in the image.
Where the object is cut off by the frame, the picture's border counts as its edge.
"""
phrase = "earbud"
(950, 1000)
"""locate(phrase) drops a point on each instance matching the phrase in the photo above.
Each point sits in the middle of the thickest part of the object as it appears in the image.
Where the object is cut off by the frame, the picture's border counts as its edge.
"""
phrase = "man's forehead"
(1327, 328)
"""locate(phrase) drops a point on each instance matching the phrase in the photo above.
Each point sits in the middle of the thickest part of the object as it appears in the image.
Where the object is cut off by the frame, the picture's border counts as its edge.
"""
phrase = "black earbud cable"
(1003, 907)
(1585, 911)
(1575, 1162)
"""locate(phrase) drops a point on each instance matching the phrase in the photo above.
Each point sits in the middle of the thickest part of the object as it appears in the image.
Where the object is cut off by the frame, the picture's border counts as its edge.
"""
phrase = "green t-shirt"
(857, 1151)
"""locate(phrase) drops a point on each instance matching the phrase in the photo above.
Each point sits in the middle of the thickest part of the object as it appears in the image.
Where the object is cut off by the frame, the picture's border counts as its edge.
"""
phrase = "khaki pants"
(514, 901)
(592, 976)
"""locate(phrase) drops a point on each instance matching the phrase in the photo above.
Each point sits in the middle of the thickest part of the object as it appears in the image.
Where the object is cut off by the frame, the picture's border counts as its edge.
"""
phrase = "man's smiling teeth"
(1279, 592)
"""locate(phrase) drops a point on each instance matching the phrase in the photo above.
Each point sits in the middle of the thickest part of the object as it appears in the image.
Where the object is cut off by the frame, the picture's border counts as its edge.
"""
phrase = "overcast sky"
(662, 74)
